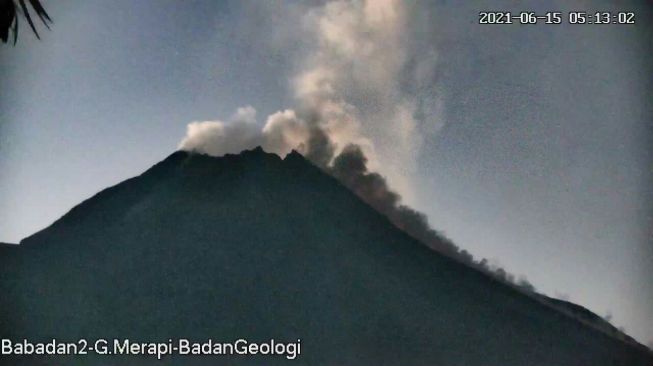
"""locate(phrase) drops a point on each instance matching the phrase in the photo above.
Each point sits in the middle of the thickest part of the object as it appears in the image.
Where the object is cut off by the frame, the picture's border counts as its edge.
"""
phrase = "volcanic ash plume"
(365, 79)
(286, 130)
(359, 95)
(353, 108)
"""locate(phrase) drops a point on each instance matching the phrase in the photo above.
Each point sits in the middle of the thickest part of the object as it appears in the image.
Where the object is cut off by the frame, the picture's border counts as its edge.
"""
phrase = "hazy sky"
(531, 144)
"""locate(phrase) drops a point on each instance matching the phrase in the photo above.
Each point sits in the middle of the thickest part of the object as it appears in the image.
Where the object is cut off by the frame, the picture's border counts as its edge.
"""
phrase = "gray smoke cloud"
(350, 167)
(364, 79)
(364, 96)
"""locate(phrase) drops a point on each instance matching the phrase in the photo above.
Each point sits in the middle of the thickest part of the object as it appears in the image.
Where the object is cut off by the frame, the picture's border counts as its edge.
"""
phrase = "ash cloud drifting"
(350, 167)
(353, 108)
(364, 95)
(364, 79)
(353, 101)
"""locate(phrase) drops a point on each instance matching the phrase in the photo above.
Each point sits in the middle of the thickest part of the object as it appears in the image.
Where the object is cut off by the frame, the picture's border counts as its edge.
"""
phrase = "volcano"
(255, 247)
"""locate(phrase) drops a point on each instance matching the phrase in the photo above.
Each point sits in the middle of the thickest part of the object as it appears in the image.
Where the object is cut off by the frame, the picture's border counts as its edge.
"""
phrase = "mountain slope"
(252, 246)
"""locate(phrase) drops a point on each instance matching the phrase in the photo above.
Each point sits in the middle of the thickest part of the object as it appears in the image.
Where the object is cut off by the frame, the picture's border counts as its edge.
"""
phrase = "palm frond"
(40, 11)
(28, 17)
(15, 30)
(7, 18)
(9, 10)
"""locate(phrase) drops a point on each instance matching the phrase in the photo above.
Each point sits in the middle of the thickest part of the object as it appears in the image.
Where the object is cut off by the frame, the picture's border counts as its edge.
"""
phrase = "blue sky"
(538, 158)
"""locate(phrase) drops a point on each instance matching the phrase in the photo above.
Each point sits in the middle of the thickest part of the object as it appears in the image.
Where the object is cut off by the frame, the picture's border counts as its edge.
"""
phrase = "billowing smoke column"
(358, 101)
(365, 79)
(284, 131)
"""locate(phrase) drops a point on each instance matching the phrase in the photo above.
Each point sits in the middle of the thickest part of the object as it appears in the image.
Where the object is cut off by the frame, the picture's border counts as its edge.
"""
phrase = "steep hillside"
(252, 246)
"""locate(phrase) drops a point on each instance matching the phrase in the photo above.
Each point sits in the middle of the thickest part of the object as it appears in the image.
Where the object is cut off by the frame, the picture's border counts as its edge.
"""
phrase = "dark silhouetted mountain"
(252, 246)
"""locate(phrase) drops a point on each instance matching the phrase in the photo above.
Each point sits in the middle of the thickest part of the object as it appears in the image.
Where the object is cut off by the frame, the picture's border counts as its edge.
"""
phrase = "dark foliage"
(9, 11)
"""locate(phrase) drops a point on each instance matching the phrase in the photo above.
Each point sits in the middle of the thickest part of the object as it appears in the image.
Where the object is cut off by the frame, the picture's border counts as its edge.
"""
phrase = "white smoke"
(364, 80)
(364, 95)
(218, 138)
(284, 131)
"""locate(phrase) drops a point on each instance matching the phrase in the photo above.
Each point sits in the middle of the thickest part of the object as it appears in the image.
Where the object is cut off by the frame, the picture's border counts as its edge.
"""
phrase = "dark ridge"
(590, 318)
(133, 188)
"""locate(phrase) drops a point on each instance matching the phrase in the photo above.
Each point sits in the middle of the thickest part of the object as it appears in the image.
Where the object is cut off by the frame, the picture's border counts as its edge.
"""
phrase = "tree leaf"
(28, 17)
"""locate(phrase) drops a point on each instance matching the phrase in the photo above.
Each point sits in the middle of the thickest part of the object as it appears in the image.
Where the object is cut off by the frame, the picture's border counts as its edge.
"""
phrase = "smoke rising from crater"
(359, 92)
(365, 96)
(218, 138)
(364, 79)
